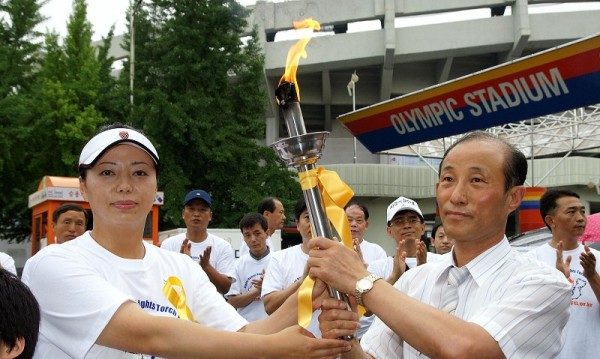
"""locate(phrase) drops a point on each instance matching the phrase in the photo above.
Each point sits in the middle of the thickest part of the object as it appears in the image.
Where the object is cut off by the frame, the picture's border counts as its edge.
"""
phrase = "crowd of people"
(106, 293)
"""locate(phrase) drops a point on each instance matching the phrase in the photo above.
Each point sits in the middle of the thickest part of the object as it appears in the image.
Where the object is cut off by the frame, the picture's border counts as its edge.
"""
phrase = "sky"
(101, 13)
(105, 13)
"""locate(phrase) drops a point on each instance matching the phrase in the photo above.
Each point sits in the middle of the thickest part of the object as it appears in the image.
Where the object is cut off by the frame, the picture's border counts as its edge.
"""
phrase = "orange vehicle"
(54, 191)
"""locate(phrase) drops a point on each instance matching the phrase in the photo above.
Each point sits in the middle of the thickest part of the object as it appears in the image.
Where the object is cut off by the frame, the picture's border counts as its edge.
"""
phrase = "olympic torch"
(302, 150)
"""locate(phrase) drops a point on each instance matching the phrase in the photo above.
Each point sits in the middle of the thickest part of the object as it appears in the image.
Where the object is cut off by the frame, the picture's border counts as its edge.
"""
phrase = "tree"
(68, 92)
(19, 58)
(62, 112)
(199, 96)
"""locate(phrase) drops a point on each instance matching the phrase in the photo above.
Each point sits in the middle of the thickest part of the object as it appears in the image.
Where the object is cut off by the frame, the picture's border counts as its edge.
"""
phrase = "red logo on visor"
(124, 135)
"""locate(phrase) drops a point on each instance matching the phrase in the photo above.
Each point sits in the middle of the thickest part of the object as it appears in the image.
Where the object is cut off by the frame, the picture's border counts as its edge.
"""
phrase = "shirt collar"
(487, 263)
(266, 253)
(484, 265)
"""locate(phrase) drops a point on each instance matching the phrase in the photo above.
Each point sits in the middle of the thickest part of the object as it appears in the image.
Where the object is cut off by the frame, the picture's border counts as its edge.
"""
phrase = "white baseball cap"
(403, 204)
(109, 138)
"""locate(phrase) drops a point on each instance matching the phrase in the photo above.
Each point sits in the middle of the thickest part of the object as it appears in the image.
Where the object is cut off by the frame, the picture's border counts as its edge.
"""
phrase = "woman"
(102, 295)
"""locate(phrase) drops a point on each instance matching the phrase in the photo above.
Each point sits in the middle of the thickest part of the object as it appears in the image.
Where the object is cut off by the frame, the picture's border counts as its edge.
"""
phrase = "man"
(214, 254)
(564, 214)
(250, 269)
(406, 226)
(69, 221)
(7, 262)
(358, 217)
(274, 213)
(484, 300)
(441, 242)
(19, 318)
(287, 269)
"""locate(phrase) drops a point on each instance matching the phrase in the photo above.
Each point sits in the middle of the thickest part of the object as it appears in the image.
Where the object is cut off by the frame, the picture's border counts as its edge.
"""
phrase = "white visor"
(105, 140)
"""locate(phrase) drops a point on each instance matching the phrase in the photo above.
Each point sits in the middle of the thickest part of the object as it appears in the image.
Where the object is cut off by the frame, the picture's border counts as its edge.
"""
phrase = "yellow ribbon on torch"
(173, 290)
(335, 194)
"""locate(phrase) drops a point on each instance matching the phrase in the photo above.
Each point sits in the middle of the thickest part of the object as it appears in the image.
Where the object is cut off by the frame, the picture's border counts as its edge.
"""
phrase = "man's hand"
(335, 321)
(205, 258)
(356, 245)
(563, 265)
(336, 265)
(588, 262)
(399, 264)
(257, 282)
(255, 292)
(297, 342)
(186, 247)
(421, 252)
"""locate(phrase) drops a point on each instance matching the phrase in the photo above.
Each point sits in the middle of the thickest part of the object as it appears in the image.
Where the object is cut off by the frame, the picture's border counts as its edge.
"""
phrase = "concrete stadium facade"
(394, 59)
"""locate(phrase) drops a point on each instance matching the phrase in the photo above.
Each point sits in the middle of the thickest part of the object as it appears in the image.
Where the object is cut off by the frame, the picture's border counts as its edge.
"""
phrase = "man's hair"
(19, 314)
(548, 201)
(251, 219)
(435, 229)
(359, 205)
(515, 164)
(299, 208)
(69, 207)
(267, 204)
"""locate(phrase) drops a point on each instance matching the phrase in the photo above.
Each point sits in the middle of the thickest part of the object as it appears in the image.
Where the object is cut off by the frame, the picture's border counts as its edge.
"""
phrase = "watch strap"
(359, 293)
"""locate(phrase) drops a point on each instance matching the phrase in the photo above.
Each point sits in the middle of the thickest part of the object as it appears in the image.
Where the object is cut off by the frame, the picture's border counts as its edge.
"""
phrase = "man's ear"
(515, 196)
(15, 351)
(549, 220)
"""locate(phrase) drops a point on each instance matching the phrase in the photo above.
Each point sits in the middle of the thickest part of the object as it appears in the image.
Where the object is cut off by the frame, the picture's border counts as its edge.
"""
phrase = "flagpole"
(352, 92)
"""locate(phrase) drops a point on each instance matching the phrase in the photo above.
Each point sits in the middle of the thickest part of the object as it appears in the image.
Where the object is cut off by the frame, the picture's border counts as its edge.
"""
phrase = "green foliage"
(200, 96)
(19, 58)
(67, 92)
(54, 107)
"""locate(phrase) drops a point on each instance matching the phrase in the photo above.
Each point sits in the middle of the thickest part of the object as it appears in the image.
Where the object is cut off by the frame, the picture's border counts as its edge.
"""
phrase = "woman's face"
(121, 187)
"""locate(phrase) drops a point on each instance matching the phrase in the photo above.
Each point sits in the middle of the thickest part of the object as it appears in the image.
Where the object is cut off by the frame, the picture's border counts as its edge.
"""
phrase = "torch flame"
(297, 51)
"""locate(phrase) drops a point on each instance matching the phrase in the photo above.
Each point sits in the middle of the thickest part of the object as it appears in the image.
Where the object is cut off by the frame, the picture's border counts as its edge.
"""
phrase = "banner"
(558, 79)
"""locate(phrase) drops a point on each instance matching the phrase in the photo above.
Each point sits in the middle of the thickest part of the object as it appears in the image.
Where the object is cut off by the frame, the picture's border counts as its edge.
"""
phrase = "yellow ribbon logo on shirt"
(173, 290)
(336, 194)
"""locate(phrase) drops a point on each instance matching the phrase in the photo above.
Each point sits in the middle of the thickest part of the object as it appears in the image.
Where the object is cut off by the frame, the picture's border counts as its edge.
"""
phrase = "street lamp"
(134, 6)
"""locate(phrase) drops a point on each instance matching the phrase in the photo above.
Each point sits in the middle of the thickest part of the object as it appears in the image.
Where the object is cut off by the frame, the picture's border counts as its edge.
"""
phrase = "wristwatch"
(363, 286)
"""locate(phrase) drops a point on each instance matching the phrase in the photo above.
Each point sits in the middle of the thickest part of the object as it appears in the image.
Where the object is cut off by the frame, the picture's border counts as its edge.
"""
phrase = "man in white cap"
(405, 225)
(214, 254)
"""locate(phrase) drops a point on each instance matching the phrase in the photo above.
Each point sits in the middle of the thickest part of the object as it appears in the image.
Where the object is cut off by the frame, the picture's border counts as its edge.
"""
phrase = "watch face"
(364, 284)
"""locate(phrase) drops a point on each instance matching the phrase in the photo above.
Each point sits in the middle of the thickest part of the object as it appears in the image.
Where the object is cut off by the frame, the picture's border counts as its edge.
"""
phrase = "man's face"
(442, 243)
(303, 225)
(256, 239)
(70, 224)
(407, 226)
(275, 219)
(470, 193)
(358, 223)
(567, 220)
(197, 215)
